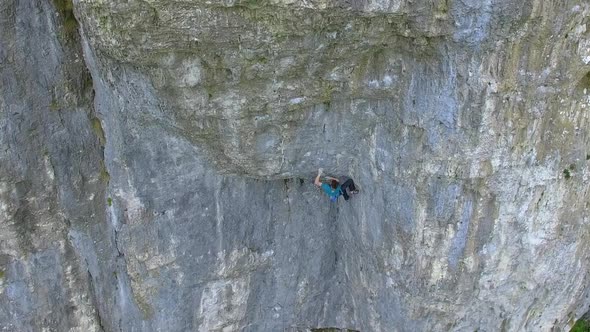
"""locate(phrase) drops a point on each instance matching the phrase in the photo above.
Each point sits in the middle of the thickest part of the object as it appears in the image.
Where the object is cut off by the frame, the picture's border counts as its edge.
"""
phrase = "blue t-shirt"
(333, 193)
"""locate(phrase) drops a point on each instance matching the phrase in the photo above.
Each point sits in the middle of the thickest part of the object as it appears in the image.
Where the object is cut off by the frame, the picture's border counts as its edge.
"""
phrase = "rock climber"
(334, 189)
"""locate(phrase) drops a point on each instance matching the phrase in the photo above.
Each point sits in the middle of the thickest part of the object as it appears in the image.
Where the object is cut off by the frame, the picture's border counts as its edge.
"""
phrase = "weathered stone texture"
(463, 122)
(50, 186)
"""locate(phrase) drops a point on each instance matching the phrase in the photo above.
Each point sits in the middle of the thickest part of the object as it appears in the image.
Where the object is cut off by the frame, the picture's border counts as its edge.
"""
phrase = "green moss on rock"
(65, 8)
(98, 131)
(54, 106)
(582, 325)
(105, 177)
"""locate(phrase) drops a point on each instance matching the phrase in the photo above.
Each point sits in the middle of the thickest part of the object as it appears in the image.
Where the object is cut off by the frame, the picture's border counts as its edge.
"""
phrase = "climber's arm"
(317, 181)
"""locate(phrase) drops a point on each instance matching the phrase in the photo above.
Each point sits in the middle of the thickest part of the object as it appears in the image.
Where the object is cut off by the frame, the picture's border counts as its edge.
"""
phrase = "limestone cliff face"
(157, 163)
(51, 188)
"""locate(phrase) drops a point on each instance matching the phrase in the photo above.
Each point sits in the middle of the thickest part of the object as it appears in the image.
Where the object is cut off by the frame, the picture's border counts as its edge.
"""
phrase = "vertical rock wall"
(463, 122)
(51, 187)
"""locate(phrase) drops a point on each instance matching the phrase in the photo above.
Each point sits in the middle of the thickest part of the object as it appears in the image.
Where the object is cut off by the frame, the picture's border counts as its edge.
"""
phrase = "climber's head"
(334, 184)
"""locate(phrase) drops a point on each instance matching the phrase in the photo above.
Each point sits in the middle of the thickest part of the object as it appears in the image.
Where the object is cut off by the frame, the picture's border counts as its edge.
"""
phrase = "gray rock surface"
(464, 123)
(50, 174)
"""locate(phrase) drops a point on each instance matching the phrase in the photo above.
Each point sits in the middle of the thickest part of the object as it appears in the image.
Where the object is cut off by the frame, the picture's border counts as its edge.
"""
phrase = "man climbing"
(334, 188)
